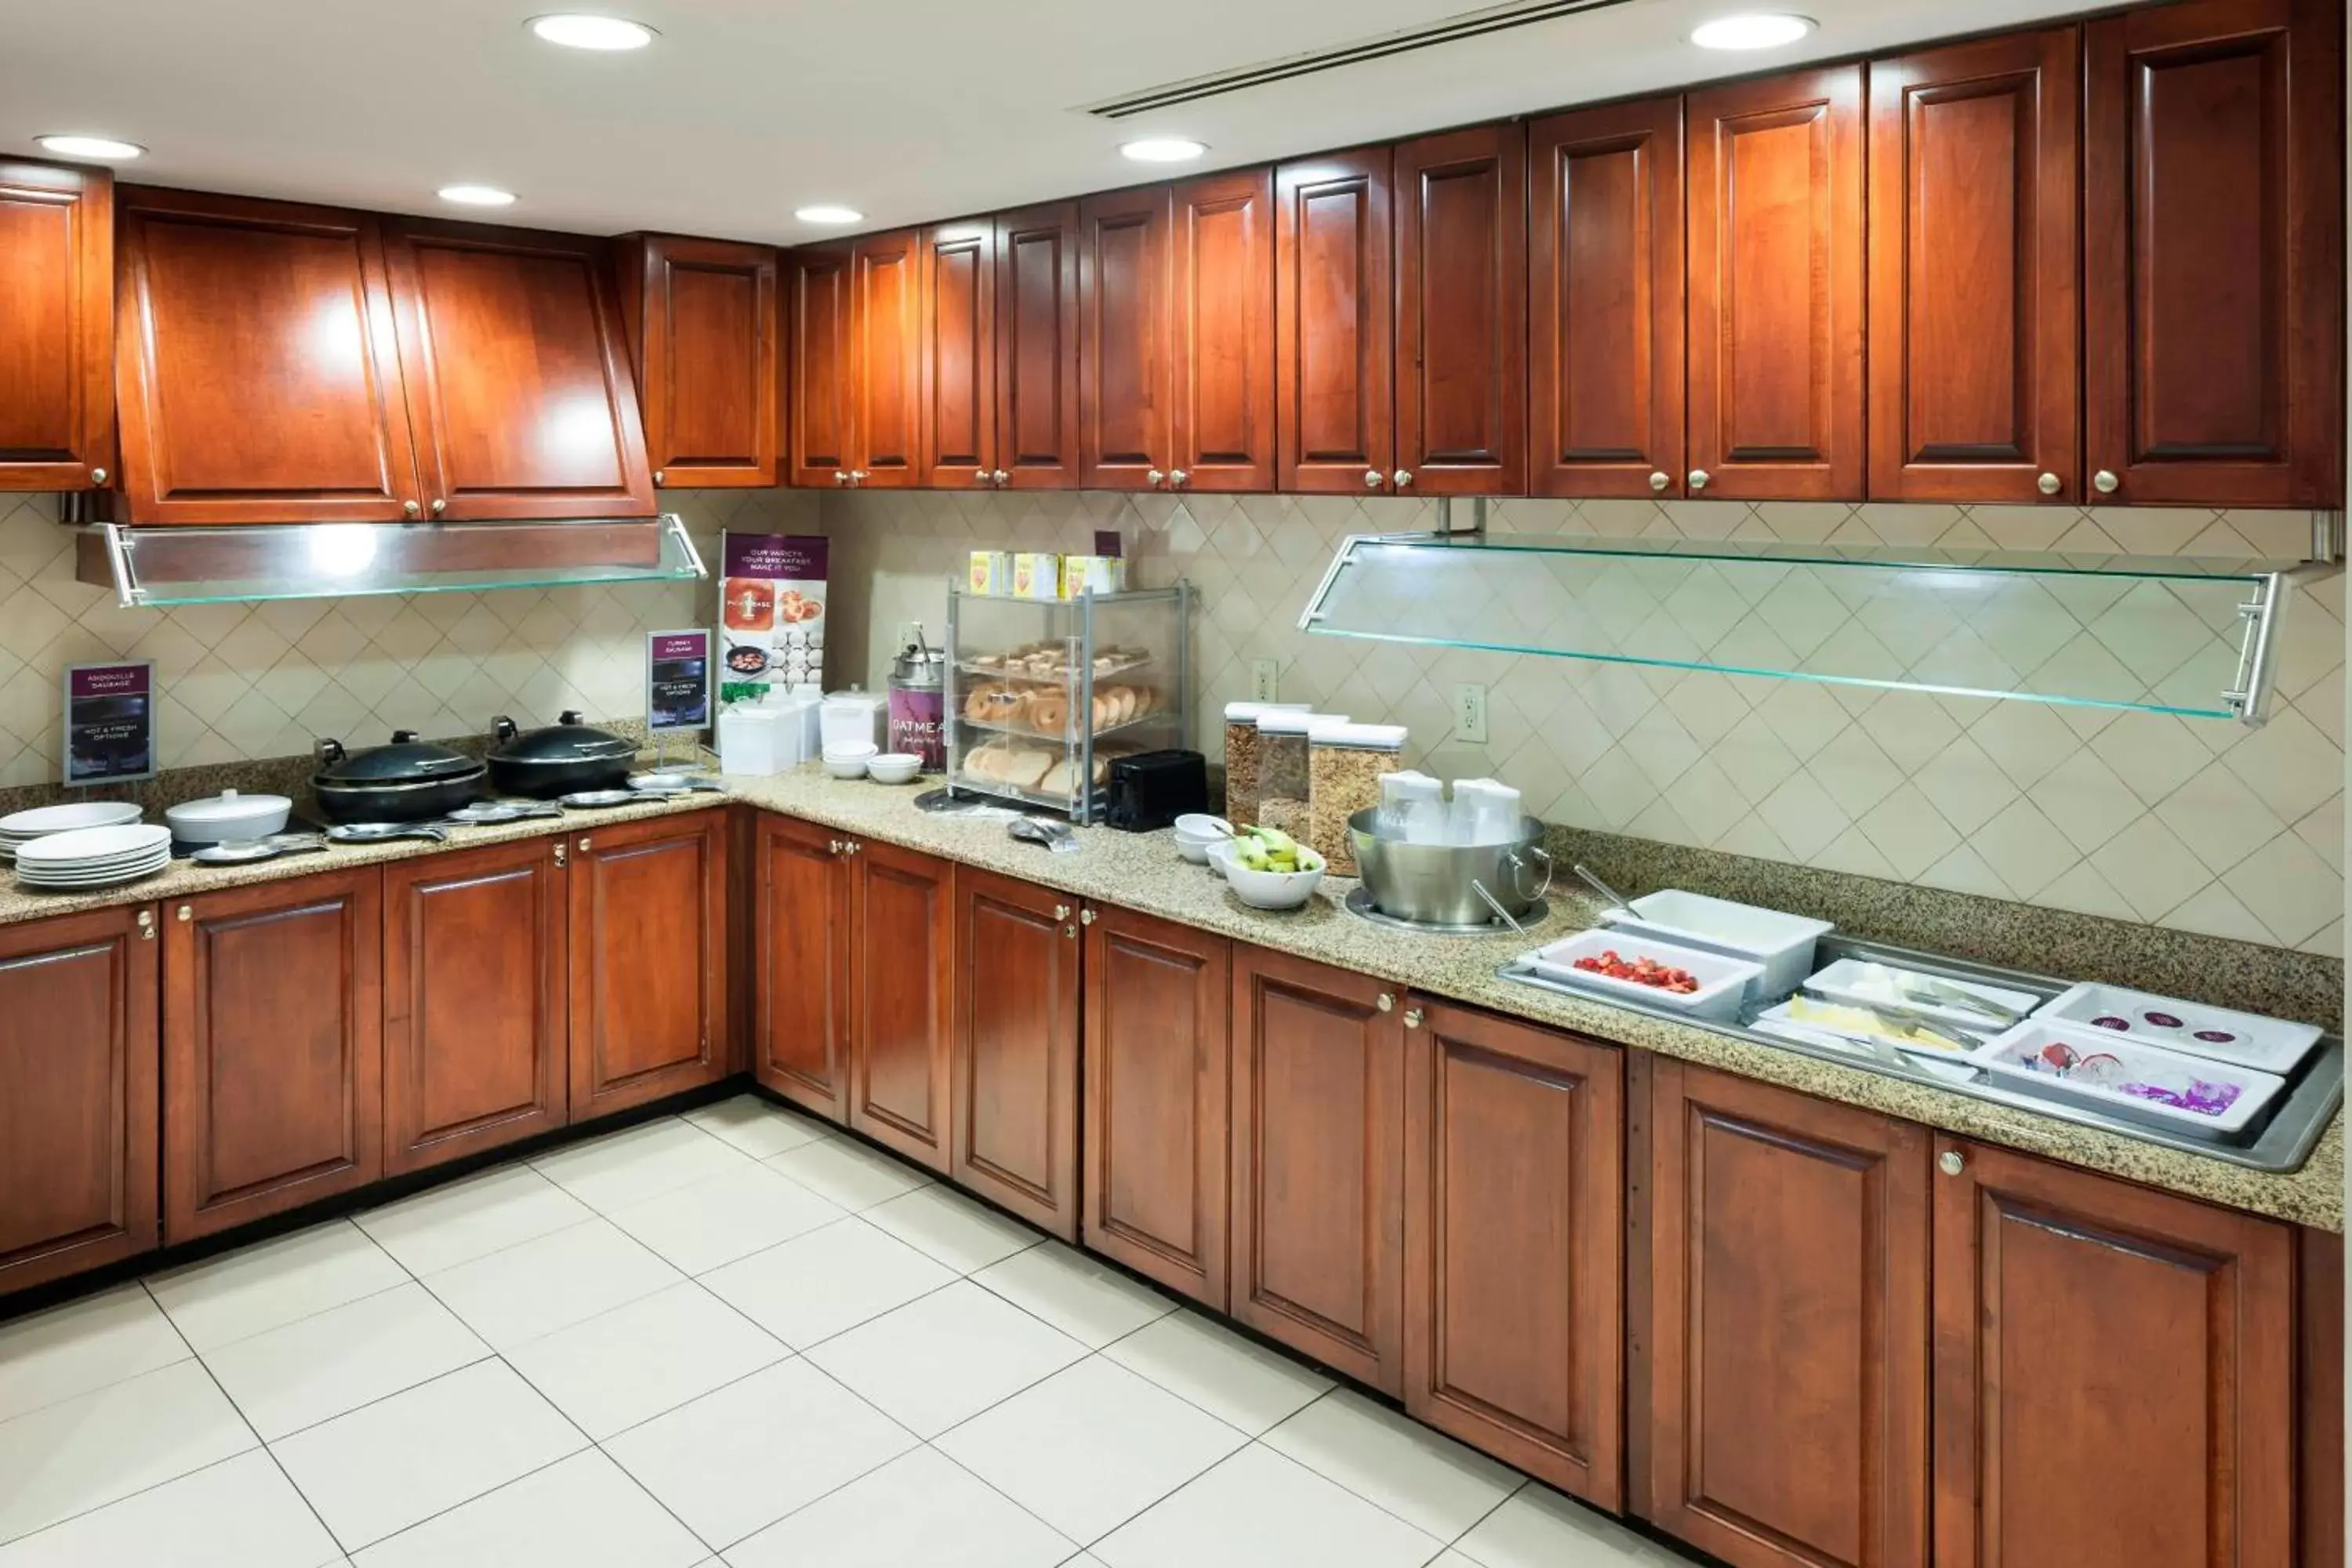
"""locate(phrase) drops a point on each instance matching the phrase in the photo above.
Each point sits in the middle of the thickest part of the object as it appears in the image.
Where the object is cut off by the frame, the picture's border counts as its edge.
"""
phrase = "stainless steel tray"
(2281, 1140)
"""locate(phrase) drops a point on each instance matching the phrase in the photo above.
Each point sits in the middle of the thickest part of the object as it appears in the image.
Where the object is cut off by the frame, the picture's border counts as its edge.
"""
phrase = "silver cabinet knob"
(857, 476)
(583, 846)
(2050, 484)
(410, 507)
(186, 914)
(840, 477)
(1402, 476)
(1698, 479)
(1152, 478)
(1951, 1161)
(1001, 477)
(1413, 1018)
(1177, 477)
(980, 476)
(657, 476)
(97, 476)
(854, 847)
(833, 847)
(1658, 479)
(560, 857)
(2105, 482)
(440, 505)
(1371, 478)
(1085, 916)
(1384, 1001)
(146, 925)
(1061, 911)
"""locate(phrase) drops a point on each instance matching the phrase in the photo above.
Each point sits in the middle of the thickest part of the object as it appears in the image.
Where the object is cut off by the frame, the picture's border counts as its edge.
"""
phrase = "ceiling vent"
(1453, 29)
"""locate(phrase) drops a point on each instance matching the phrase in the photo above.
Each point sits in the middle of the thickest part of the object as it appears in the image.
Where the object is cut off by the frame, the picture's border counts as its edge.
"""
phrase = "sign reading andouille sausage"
(677, 682)
(110, 730)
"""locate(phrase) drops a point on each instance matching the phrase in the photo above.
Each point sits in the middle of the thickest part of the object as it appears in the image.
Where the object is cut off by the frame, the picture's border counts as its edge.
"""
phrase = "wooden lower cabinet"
(1154, 1190)
(1780, 1368)
(902, 943)
(648, 961)
(77, 1118)
(2114, 1371)
(1013, 1085)
(1514, 1244)
(2319, 1397)
(273, 1049)
(475, 1005)
(1318, 1163)
(800, 1011)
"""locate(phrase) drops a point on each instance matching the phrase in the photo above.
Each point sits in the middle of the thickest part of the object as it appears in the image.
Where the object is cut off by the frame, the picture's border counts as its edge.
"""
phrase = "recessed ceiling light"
(828, 213)
(1164, 150)
(477, 195)
(75, 145)
(610, 34)
(1762, 31)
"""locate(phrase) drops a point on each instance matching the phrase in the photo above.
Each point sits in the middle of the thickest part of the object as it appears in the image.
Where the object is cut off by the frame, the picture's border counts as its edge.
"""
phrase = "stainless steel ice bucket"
(1439, 882)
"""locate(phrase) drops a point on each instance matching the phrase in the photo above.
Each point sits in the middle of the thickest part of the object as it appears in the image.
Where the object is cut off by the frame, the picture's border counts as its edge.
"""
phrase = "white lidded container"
(1723, 980)
(747, 738)
(854, 718)
(1781, 944)
(2230, 1095)
(228, 818)
(2248, 1039)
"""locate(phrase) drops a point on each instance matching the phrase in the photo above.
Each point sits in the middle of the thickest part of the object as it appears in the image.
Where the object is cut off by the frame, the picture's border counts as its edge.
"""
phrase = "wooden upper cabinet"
(648, 959)
(1515, 1244)
(1221, 421)
(79, 1125)
(821, 400)
(1037, 349)
(257, 364)
(958, 356)
(901, 970)
(2213, 230)
(1784, 1345)
(1975, 257)
(1335, 324)
(1775, 307)
(1125, 430)
(57, 327)
(1461, 314)
(801, 945)
(1318, 1163)
(886, 317)
(1605, 300)
(520, 389)
(2185, 1389)
(1014, 1088)
(707, 333)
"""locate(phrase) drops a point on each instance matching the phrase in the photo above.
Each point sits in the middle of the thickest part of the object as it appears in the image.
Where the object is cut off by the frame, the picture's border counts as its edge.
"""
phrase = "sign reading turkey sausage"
(677, 682)
(109, 722)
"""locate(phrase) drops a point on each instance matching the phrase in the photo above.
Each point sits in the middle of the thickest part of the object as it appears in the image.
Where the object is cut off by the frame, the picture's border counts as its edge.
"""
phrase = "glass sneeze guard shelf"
(2177, 634)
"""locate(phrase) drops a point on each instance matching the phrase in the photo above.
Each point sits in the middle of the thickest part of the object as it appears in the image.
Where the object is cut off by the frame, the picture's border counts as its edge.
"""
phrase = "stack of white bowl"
(90, 858)
(1197, 833)
(20, 828)
(847, 759)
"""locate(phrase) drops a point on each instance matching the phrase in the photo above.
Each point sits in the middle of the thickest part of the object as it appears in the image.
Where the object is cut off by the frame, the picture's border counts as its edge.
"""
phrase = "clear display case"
(1042, 694)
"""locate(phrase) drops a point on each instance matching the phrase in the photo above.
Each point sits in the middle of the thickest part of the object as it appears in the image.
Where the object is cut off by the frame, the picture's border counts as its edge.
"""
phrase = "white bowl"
(846, 767)
(1196, 850)
(1265, 889)
(1200, 825)
(894, 767)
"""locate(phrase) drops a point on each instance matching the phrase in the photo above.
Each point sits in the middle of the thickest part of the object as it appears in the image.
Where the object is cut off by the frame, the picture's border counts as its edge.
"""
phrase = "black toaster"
(1151, 789)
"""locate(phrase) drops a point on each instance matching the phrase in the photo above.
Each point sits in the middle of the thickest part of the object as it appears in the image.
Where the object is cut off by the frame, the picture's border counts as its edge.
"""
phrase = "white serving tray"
(2137, 1061)
(2268, 1045)
(1952, 1067)
(1782, 944)
(1723, 980)
(1847, 981)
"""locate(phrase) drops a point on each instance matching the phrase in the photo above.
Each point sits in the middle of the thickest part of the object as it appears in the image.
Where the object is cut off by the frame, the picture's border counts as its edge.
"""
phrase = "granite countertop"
(1143, 872)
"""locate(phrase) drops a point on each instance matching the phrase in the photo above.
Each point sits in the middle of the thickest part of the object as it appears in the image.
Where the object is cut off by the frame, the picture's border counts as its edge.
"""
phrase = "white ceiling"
(743, 110)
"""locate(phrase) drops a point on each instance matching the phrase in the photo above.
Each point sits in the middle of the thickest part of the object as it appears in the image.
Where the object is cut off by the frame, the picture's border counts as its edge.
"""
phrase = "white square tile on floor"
(268, 1284)
(745, 1456)
(1090, 1447)
(757, 1127)
(472, 1218)
(580, 1512)
(920, 1508)
(720, 1218)
(847, 1173)
(1539, 1527)
(69, 1458)
(1238, 1382)
(945, 1357)
(538, 1287)
(1086, 1298)
(82, 1345)
(809, 1289)
(386, 1465)
(342, 1358)
(1422, 1477)
(239, 1513)
(1258, 1510)
(654, 1354)
(643, 1162)
(947, 1226)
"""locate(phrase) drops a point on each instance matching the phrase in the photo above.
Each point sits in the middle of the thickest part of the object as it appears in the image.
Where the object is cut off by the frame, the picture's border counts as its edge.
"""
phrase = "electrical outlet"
(1470, 714)
(1265, 674)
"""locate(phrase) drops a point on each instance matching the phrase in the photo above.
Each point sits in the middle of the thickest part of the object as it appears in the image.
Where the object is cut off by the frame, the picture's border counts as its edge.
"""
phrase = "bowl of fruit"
(1267, 869)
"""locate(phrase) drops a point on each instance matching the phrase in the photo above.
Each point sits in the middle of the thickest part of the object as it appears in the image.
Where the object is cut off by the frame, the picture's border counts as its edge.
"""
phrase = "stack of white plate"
(89, 858)
(20, 828)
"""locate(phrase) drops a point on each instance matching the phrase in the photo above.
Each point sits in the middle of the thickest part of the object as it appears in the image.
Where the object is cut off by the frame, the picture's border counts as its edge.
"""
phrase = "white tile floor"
(728, 1338)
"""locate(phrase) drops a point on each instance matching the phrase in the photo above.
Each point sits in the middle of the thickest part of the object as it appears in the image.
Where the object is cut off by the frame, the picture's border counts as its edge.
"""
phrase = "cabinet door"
(1605, 300)
(902, 983)
(1222, 419)
(886, 304)
(57, 327)
(518, 384)
(648, 961)
(1784, 1350)
(2213, 254)
(1775, 305)
(474, 1001)
(822, 398)
(1462, 312)
(78, 1126)
(240, 317)
(273, 1049)
(1037, 347)
(2187, 1401)
(1015, 1089)
(1515, 1239)
(1318, 1163)
(958, 356)
(1124, 438)
(1335, 324)
(1975, 318)
(802, 1014)
(707, 336)
(1157, 1059)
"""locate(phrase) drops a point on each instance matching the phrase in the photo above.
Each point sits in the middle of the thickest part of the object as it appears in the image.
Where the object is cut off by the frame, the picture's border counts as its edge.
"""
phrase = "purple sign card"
(109, 723)
(677, 682)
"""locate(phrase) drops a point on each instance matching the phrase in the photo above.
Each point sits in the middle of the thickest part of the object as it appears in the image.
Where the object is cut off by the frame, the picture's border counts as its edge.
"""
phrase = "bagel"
(1049, 714)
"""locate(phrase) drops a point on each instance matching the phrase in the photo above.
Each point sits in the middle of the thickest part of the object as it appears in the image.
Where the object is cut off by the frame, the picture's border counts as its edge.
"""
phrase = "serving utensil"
(1592, 880)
